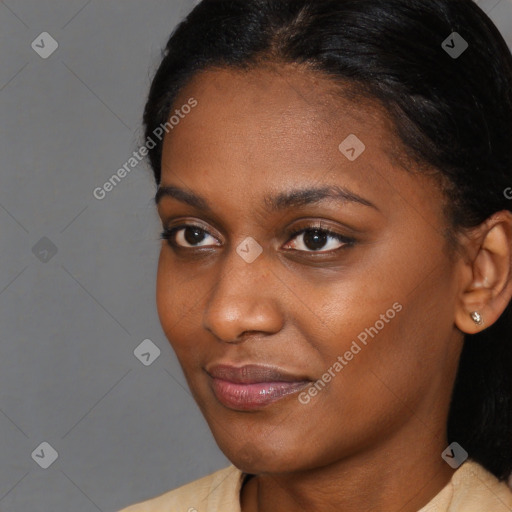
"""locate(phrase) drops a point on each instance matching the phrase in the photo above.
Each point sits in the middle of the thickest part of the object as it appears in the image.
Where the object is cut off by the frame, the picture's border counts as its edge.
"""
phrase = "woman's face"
(357, 326)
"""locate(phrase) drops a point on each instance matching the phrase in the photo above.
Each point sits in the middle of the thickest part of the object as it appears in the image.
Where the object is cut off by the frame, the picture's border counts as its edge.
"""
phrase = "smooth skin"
(372, 439)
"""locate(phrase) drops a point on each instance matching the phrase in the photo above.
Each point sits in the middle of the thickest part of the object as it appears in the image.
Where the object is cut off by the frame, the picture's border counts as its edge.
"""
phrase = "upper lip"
(252, 373)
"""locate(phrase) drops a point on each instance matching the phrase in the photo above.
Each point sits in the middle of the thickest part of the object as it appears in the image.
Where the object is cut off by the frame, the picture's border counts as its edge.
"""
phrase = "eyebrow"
(290, 199)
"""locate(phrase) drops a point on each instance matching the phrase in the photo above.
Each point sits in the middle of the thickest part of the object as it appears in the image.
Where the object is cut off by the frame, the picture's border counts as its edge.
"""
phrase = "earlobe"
(477, 318)
(470, 322)
(488, 289)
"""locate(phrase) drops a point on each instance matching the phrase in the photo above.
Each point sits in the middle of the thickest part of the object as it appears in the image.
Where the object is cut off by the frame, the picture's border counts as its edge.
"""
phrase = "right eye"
(186, 236)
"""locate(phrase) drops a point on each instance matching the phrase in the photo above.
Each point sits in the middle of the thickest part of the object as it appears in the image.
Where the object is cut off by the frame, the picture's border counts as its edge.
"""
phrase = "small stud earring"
(477, 318)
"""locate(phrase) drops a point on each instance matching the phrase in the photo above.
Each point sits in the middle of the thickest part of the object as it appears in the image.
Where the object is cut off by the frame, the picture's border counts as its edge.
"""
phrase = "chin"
(254, 458)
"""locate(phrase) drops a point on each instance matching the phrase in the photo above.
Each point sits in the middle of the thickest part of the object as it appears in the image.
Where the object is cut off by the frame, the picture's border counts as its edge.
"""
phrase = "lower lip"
(253, 396)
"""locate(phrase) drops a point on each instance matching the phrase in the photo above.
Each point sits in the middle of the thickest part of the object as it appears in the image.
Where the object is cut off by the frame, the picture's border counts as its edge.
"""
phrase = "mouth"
(253, 386)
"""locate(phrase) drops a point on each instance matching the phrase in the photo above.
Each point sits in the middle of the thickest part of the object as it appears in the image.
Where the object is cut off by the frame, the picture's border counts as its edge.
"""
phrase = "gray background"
(70, 321)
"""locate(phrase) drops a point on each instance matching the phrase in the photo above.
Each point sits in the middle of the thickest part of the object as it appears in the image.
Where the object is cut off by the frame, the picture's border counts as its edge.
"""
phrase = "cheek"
(174, 299)
(393, 326)
(179, 300)
(164, 292)
(177, 293)
(404, 354)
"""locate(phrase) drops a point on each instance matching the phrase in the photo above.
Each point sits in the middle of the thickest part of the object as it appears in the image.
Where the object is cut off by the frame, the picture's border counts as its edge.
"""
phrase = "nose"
(243, 300)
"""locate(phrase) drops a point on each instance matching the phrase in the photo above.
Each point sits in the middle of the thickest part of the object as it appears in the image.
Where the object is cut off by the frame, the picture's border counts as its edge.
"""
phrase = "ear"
(487, 274)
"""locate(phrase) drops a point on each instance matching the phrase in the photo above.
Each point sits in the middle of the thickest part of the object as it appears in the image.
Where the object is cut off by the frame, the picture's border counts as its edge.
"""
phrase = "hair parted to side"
(453, 115)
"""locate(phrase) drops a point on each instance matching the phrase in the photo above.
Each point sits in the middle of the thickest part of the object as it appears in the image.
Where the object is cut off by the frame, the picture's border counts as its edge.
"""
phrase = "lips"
(253, 386)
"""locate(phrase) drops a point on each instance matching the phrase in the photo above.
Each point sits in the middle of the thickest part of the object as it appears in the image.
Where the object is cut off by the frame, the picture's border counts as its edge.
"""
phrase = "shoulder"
(217, 491)
(475, 488)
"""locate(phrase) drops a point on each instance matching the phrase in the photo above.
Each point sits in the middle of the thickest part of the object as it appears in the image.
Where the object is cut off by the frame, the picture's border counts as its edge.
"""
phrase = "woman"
(335, 276)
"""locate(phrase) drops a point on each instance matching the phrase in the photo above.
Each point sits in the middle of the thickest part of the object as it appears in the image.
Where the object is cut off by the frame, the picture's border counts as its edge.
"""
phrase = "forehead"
(257, 133)
(273, 89)
(288, 114)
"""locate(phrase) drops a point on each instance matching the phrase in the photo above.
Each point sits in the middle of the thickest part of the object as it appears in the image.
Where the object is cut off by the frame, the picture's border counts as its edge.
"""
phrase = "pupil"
(196, 235)
(315, 239)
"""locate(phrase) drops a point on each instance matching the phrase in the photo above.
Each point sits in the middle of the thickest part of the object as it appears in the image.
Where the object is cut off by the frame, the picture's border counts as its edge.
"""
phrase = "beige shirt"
(471, 489)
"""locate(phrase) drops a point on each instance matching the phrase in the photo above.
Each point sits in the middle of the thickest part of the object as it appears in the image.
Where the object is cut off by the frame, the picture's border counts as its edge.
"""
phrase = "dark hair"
(453, 114)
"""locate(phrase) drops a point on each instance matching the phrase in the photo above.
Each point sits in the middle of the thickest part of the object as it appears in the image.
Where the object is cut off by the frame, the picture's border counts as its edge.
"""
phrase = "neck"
(371, 481)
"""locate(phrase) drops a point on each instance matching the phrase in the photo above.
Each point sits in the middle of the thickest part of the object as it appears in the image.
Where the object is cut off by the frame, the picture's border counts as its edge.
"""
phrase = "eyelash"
(168, 234)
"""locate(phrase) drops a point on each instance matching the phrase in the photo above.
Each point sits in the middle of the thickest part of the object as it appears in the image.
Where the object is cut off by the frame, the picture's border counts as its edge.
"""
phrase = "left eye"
(313, 240)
